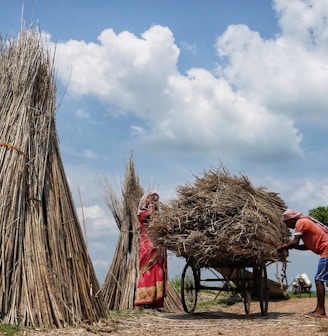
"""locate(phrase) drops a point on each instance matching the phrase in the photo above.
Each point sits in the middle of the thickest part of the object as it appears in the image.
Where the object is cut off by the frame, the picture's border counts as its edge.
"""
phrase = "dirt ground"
(285, 318)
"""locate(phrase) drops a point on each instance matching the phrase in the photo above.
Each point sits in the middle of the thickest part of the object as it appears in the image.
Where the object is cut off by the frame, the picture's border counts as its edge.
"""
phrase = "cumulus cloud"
(302, 193)
(310, 186)
(282, 74)
(249, 107)
(98, 223)
(122, 68)
(304, 22)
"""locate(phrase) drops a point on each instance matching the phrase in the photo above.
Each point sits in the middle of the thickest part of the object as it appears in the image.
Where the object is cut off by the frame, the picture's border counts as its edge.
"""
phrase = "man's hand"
(281, 248)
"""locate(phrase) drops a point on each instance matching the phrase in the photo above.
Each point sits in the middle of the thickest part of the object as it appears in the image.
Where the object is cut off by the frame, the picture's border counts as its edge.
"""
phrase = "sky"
(186, 86)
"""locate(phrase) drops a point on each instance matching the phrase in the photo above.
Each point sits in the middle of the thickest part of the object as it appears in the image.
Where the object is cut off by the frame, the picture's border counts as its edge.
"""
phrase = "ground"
(285, 318)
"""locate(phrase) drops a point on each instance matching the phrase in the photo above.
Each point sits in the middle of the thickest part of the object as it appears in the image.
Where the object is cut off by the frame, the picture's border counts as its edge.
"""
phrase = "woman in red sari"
(152, 261)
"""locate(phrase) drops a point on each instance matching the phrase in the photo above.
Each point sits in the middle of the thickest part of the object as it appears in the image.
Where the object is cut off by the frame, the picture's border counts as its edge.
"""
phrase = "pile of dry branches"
(46, 276)
(221, 219)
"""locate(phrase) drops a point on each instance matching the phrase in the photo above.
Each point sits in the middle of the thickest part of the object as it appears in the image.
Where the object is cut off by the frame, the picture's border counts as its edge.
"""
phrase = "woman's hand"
(151, 208)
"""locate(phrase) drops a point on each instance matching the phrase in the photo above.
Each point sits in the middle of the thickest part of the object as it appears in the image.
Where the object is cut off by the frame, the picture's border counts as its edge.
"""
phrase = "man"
(316, 240)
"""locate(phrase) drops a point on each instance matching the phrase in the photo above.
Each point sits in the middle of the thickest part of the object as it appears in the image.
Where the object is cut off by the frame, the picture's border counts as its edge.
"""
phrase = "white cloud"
(189, 47)
(97, 221)
(301, 193)
(304, 21)
(313, 193)
(89, 154)
(249, 108)
(82, 114)
(283, 74)
(121, 68)
(101, 263)
(93, 212)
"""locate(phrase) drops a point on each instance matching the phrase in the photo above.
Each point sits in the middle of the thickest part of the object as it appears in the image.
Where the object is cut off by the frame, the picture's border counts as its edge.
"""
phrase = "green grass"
(176, 282)
(119, 314)
(9, 329)
(303, 295)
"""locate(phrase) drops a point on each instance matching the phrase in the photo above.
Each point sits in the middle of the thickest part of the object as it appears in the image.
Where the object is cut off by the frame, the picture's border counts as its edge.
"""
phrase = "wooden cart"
(246, 278)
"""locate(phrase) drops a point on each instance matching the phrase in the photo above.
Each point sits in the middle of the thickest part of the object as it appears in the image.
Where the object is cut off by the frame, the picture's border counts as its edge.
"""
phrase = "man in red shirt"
(315, 239)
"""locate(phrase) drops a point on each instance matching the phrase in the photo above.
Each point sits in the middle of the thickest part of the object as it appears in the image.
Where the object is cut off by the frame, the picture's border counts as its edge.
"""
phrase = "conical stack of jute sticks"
(46, 276)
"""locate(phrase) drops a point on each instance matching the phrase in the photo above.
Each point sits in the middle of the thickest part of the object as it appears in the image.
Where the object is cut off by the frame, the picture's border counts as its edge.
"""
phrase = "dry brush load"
(46, 276)
(220, 220)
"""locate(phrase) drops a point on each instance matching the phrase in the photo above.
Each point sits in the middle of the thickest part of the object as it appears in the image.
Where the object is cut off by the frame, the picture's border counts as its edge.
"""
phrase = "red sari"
(152, 271)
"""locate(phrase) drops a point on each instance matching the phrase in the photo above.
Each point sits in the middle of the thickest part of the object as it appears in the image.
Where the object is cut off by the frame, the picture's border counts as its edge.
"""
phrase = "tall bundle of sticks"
(46, 276)
(221, 219)
(121, 280)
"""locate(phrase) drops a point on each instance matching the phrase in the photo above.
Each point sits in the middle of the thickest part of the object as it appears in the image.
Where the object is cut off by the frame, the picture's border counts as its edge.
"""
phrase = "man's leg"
(320, 297)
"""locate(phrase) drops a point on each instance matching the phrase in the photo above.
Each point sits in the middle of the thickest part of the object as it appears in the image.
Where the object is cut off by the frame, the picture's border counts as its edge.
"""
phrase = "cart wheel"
(247, 301)
(298, 290)
(243, 284)
(263, 289)
(189, 287)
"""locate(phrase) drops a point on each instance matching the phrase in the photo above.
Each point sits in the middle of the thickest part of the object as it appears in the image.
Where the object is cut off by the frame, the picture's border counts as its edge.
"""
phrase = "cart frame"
(239, 280)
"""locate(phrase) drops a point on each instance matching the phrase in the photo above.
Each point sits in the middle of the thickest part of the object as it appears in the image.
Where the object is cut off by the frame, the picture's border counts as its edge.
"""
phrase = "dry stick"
(85, 229)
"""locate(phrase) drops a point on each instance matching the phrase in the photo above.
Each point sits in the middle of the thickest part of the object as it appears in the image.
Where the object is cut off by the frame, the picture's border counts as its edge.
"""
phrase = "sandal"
(315, 315)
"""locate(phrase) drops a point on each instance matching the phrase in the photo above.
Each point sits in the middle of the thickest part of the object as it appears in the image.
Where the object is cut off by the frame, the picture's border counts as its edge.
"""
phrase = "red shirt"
(313, 236)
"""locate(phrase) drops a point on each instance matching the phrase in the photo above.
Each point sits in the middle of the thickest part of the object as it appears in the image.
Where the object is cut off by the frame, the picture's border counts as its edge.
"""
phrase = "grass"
(176, 282)
(303, 295)
(117, 314)
(9, 329)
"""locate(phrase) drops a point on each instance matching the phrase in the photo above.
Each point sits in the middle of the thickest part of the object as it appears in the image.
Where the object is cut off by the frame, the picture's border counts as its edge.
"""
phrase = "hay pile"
(46, 276)
(222, 219)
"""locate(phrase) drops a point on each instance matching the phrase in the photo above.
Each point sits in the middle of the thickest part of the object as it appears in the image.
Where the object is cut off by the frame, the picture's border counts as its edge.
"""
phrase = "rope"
(13, 147)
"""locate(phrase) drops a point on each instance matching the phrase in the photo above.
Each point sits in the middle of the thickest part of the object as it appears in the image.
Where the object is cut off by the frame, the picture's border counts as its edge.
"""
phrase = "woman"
(152, 261)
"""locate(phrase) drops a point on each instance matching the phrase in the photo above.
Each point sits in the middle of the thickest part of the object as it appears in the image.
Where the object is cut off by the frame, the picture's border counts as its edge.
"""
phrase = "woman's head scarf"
(143, 201)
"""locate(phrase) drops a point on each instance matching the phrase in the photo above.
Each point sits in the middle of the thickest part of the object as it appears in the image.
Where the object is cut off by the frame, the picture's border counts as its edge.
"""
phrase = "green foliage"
(8, 329)
(122, 314)
(176, 282)
(320, 213)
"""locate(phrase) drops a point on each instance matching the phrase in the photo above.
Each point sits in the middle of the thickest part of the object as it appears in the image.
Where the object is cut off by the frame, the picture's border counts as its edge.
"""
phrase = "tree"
(320, 213)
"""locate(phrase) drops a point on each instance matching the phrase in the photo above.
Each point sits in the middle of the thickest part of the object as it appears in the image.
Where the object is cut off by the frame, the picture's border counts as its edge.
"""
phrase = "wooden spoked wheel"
(243, 284)
(247, 302)
(189, 287)
(262, 285)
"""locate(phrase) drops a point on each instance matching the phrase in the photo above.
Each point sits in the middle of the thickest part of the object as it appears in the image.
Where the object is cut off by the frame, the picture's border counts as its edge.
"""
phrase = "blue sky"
(187, 85)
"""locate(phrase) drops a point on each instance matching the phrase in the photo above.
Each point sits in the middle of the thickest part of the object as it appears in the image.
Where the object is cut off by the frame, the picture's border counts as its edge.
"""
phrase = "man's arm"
(293, 244)
(302, 247)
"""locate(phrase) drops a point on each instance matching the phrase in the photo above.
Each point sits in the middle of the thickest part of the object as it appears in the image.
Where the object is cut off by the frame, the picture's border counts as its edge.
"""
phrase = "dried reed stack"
(46, 276)
(222, 219)
(121, 280)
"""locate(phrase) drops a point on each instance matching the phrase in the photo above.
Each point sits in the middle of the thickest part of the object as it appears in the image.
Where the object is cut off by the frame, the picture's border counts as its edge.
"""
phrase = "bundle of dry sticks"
(46, 275)
(221, 219)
